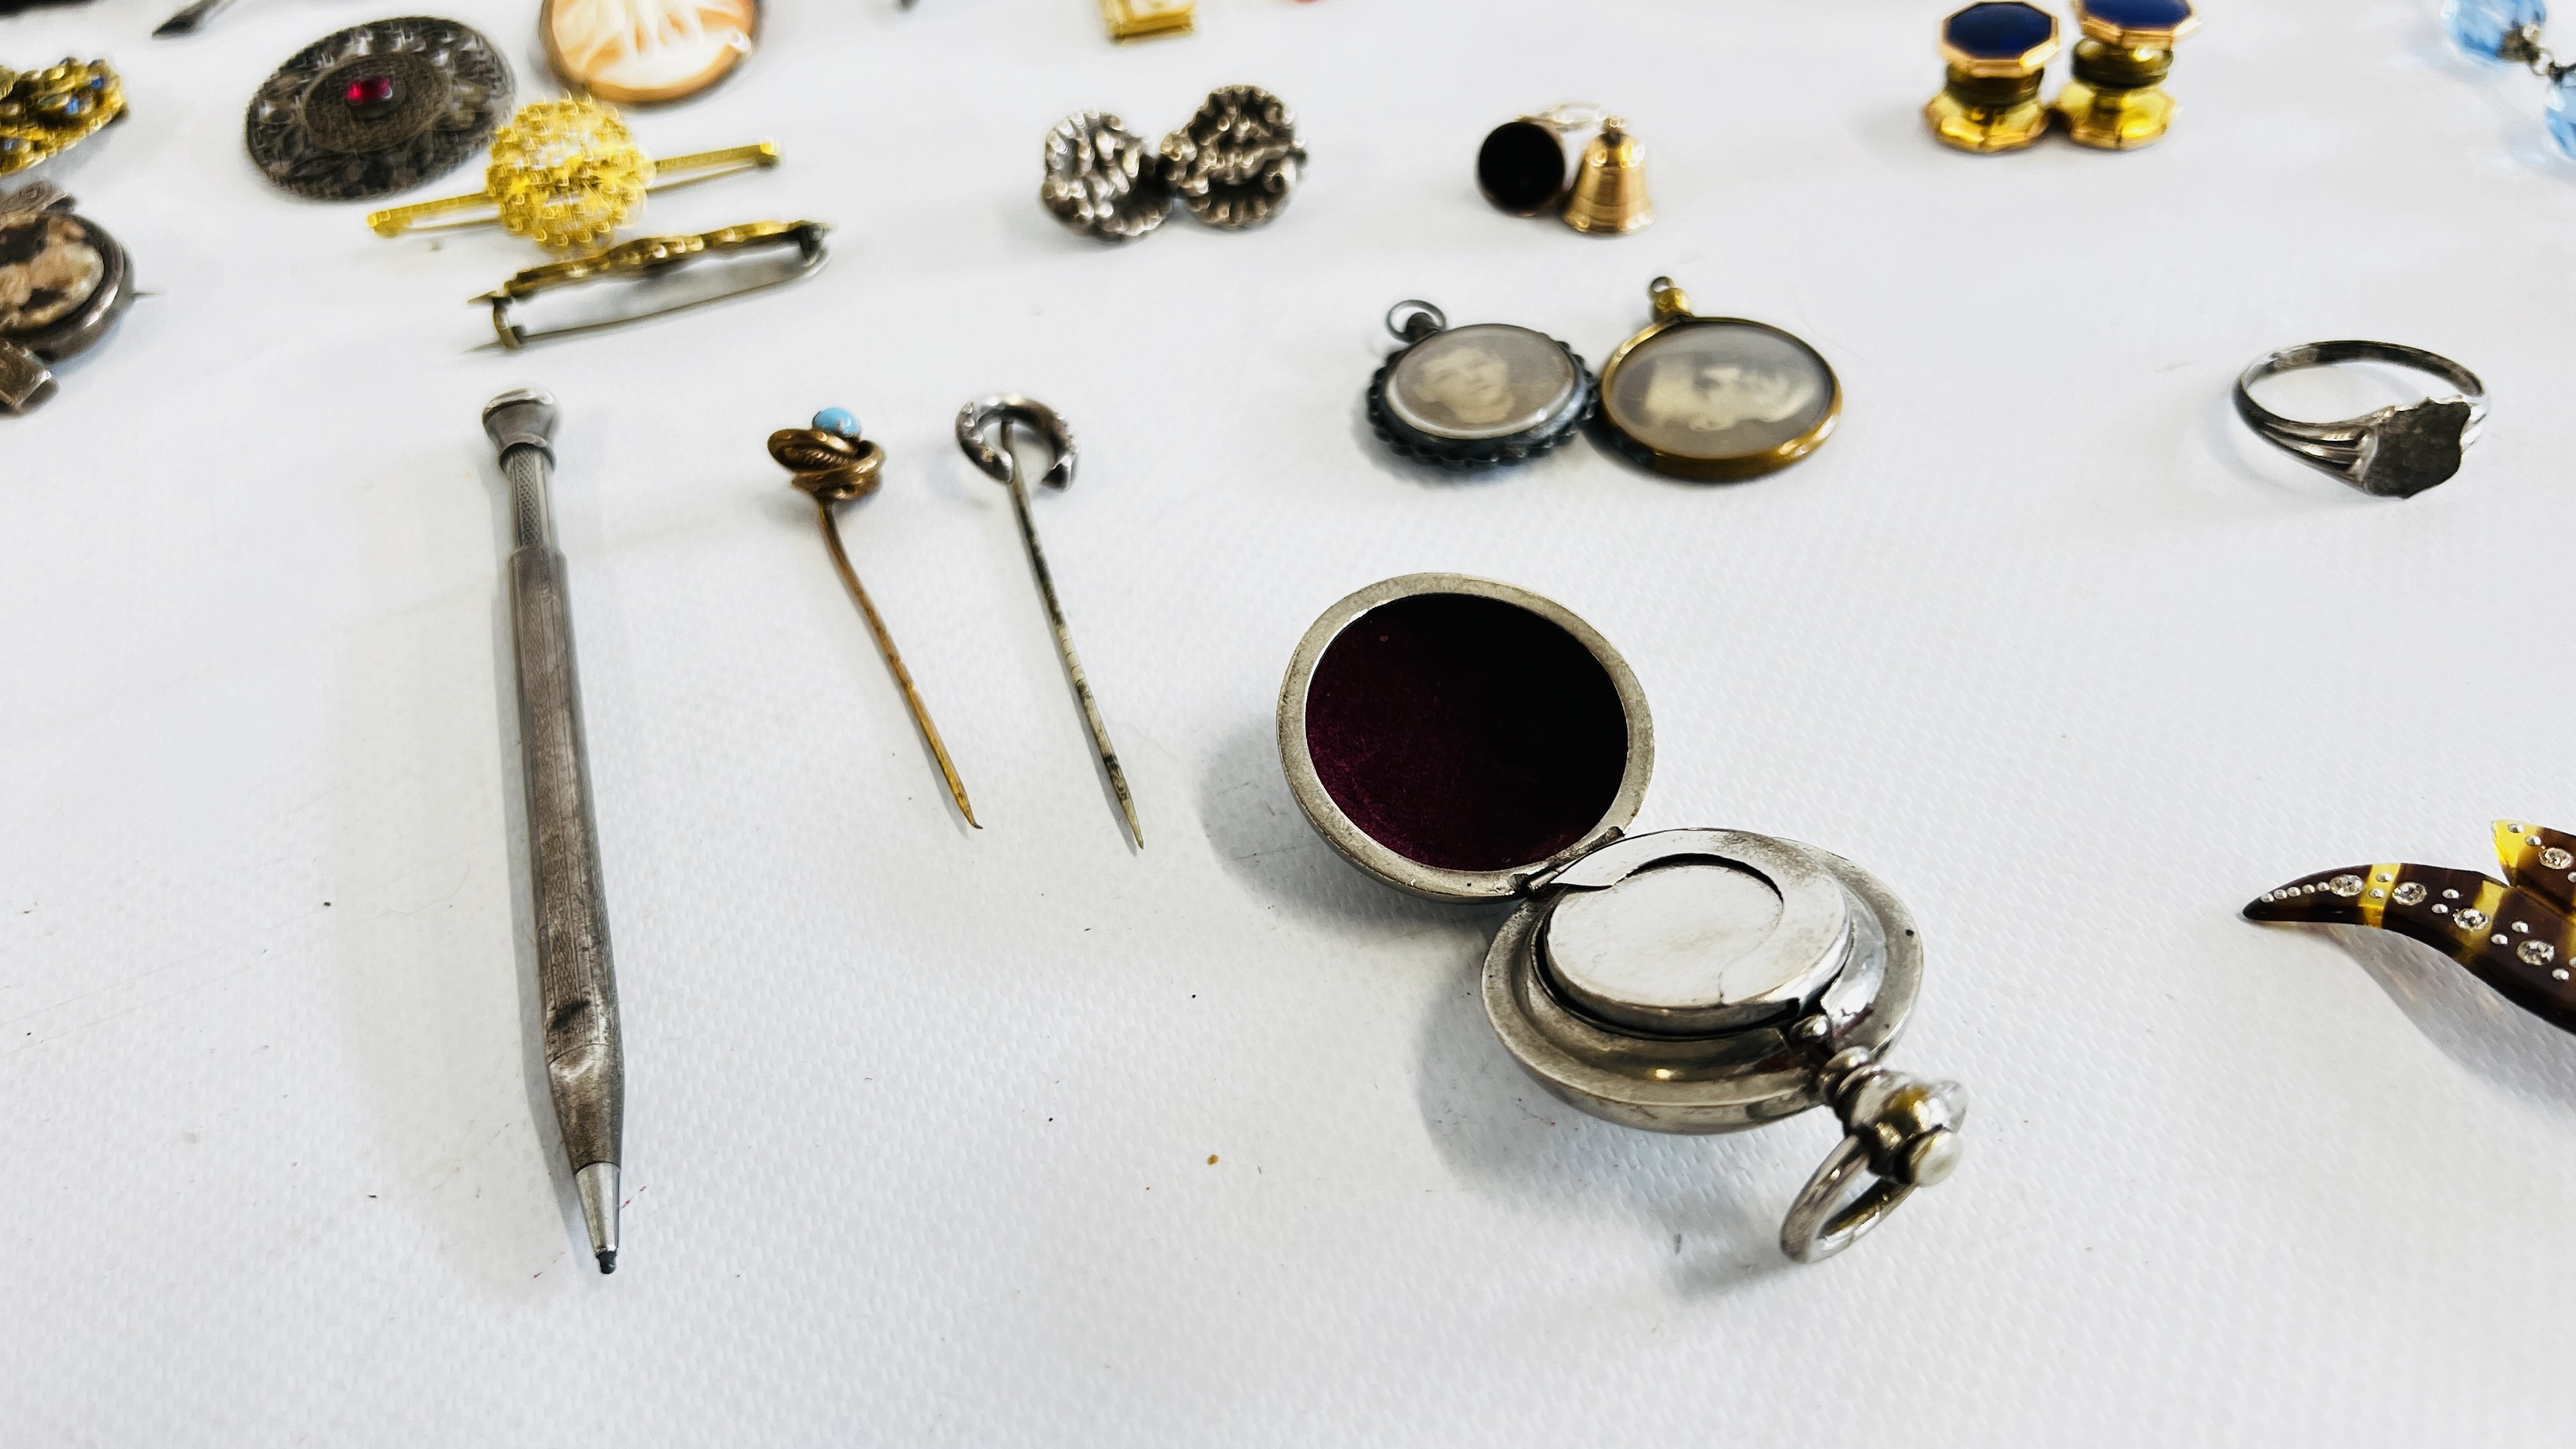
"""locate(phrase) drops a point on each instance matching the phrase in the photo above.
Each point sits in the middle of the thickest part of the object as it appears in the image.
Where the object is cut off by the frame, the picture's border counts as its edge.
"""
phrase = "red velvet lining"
(1466, 733)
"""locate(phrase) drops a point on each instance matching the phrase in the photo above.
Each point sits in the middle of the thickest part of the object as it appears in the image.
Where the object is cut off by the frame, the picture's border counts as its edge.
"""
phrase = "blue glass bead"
(2562, 114)
(1999, 31)
(2141, 14)
(2481, 26)
(838, 420)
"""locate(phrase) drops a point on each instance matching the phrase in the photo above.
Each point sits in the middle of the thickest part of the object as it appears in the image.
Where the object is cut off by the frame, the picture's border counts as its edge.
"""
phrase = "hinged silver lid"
(1553, 744)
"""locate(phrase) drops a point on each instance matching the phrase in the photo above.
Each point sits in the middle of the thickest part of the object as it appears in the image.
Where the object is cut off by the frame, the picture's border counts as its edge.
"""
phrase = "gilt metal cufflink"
(2116, 99)
(1998, 58)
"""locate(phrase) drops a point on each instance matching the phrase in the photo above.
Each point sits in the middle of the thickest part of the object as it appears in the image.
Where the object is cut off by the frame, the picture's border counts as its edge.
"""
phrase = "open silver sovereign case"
(1475, 397)
(63, 280)
(1467, 740)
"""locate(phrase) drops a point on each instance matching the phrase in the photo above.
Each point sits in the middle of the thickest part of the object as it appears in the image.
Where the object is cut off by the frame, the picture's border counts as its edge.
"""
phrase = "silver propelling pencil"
(577, 985)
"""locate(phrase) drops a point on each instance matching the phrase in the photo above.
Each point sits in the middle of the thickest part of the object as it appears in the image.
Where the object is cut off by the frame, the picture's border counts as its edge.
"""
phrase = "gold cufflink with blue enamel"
(2116, 99)
(1998, 54)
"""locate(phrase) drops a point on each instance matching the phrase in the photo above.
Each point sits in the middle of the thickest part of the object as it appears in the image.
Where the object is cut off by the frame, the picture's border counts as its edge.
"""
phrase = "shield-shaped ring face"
(1719, 397)
(1484, 381)
(638, 52)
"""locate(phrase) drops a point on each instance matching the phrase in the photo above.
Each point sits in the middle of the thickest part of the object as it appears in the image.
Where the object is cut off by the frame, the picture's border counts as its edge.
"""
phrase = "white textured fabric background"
(920, 1119)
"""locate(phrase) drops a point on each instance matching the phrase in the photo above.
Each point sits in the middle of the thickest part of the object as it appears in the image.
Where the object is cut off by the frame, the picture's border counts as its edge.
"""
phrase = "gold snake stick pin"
(833, 464)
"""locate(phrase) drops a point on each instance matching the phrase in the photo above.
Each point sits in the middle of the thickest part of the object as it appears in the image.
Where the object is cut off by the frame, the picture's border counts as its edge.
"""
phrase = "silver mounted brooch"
(63, 280)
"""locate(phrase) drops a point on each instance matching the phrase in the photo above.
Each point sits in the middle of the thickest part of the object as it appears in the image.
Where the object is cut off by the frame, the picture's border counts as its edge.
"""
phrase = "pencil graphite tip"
(607, 1260)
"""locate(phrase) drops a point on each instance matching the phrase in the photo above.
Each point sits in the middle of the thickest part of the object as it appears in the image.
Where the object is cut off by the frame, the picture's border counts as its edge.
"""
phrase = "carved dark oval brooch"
(378, 109)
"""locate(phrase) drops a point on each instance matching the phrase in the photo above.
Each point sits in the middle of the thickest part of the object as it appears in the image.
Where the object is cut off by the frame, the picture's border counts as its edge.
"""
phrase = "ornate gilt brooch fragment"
(44, 113)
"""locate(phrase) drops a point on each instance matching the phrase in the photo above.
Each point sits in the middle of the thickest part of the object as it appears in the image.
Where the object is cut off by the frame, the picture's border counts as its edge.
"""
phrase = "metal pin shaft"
(894, 659)
(1064, 639)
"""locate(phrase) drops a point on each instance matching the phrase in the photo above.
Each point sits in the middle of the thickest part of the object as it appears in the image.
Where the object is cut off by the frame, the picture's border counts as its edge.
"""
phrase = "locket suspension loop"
(1418, 319)
(1901, 1131)
(1813, 1231)
(1005, 409)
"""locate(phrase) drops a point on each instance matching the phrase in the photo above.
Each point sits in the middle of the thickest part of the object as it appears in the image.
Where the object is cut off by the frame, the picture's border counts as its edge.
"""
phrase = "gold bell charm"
(1609, 195)
(1998, 54)
(2116, 99)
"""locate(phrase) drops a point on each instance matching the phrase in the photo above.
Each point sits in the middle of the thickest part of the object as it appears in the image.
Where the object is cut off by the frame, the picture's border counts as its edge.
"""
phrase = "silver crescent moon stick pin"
(997, 413)
(576, 980)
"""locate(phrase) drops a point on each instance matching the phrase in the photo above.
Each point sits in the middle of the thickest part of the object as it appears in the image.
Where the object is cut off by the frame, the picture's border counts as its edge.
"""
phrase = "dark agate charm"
(2515, 934)
(1476, 397)
(378, 109)
(1522, 167)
